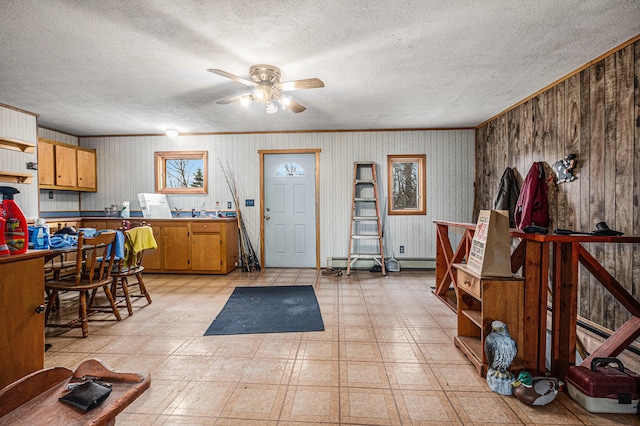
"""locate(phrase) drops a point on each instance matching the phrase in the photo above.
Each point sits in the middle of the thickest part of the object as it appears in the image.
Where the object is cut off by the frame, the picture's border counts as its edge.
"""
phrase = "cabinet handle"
(39, 309)
(467, 283)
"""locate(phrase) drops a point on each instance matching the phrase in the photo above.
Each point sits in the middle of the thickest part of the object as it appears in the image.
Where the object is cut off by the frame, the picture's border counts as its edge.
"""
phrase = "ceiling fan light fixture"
(245, 100)
(171, 133)
(272, 108)
(261, 94)
(285, 101)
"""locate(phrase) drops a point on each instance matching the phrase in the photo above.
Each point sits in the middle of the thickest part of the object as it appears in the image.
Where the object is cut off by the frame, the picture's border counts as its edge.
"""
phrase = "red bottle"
(4, 249)
(16, 233)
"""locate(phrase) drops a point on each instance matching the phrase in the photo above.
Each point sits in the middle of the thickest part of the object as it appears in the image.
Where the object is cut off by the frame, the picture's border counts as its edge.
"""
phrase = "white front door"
(289, 210)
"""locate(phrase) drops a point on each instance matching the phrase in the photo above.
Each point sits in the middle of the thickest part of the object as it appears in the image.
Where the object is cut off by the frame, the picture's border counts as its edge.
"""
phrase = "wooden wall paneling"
(538, 118)
(526, 140)
(636, 171)
(572, 146)
(480, 146)
(582, 180)
(624, 152)
(554, 151)
(514, 125)
(596, 181)
(502, 150)
(609, 159)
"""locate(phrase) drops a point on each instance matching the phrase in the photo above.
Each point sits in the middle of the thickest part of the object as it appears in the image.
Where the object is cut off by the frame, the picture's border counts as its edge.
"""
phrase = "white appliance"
(154, 206)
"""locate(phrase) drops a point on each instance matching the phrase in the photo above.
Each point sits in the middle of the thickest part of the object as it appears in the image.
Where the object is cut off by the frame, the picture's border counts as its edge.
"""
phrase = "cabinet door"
(22, 337)
(86, 169)
(66, 161)
(46, 164)
(205, 252)
(152, 259)
(175, 248)
(96, 224)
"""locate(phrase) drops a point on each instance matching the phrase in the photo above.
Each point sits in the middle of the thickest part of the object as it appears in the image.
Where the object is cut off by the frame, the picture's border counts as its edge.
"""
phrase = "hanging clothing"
(508, 193)
(532, 207)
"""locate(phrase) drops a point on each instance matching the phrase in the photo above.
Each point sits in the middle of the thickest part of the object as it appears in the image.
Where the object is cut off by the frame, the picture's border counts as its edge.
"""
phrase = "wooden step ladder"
(365, 230)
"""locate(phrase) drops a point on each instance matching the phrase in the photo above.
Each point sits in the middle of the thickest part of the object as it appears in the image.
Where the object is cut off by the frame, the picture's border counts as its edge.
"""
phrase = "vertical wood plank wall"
(596, 115)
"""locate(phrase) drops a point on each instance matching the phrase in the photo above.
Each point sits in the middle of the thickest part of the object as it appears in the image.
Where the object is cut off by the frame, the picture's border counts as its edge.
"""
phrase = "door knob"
(267, 217)
(39, 309)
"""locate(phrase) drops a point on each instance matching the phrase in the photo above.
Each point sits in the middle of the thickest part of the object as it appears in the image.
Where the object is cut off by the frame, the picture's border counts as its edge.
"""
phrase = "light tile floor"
(386, 357)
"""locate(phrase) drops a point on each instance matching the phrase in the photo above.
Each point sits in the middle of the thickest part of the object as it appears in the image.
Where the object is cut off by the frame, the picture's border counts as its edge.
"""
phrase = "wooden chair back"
(95, 258)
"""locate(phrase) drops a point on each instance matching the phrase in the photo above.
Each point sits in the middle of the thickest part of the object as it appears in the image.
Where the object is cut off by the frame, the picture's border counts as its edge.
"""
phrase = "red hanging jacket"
(532, 207)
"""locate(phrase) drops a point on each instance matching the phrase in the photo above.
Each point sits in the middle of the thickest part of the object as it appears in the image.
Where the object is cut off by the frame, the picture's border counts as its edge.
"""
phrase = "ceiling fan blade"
(233, 77)
(233, 98)
(308, 83)
(295, 106)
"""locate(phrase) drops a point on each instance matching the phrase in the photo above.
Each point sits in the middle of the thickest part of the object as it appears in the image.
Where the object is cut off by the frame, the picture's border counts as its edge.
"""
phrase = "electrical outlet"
(51, 195)
(228, 204)
(401, 249)
(249, 203)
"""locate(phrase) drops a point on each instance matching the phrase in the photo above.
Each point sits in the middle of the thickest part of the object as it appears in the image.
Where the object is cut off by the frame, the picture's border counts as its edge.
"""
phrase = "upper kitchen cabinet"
(66, 167)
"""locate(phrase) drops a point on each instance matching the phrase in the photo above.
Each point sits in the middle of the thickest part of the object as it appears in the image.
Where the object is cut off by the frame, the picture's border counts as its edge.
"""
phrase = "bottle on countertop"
(4, 249)
(218, 212)
(16, 232)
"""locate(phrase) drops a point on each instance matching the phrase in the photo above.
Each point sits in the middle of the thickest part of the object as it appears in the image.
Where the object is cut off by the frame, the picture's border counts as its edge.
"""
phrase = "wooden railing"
(549, 264)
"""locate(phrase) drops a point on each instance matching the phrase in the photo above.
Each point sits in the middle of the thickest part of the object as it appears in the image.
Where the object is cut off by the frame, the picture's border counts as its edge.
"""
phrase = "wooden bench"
(33, 400)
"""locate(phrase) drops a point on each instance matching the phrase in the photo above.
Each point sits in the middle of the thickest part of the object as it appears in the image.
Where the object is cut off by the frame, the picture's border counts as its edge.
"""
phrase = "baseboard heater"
(405, 263)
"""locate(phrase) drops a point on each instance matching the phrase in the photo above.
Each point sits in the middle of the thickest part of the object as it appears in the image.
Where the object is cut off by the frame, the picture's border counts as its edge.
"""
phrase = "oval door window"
(290, 169)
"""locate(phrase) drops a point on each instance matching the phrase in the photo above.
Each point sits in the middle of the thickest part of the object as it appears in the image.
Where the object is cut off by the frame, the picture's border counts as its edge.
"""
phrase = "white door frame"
(315, 151)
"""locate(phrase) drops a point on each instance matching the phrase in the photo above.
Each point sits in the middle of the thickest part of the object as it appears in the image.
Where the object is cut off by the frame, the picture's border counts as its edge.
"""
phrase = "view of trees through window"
(184, 173)
(405, 185)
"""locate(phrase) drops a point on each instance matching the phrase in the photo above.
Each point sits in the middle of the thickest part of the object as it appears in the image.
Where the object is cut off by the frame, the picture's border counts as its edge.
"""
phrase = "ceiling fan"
(266, 88)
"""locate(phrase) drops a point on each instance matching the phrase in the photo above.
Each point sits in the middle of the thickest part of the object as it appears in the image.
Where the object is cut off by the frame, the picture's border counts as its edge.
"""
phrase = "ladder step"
(369, 181)
(364, 163)
(366, 218)
(365, 237)
(370, 200)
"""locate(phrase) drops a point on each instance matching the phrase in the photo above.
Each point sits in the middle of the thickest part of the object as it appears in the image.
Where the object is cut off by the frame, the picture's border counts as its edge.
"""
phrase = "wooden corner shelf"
(17, 145)
(12, 177)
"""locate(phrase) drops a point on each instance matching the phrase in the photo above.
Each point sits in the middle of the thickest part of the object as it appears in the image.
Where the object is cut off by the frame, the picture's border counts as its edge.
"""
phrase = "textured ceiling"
(139, 67)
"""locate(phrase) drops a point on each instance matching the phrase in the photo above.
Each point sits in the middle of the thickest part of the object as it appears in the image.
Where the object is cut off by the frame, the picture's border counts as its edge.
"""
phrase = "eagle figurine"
(500, 350)
(535, 390)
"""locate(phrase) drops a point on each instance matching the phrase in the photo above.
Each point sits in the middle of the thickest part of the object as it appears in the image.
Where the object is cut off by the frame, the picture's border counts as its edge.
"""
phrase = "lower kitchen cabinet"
(175, 247)
(196, 246)
(21, 315)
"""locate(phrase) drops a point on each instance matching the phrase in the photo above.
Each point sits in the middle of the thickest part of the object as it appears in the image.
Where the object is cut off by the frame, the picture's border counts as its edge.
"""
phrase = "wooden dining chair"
(137, 240)
(94, 261)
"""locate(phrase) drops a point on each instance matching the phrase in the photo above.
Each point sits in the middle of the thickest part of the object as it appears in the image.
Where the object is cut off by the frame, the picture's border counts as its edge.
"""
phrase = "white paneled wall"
(126, 168)
(57, 136)
(20, 126)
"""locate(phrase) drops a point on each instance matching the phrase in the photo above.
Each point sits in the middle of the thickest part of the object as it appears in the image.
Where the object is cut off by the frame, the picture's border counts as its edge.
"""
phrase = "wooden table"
(533, 257)
(33, 400)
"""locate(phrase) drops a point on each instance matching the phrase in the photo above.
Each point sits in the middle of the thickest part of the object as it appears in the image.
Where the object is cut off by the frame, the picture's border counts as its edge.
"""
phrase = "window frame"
(161, 158)
(421, 182)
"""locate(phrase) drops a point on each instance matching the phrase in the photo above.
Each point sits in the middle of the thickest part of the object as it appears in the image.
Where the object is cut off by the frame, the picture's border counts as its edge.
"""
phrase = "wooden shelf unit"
(16, 145)
(12, 177)
(482, 300)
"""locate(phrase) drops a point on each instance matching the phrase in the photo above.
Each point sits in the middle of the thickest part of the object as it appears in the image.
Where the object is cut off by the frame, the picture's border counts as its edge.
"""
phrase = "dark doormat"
(276, 309)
